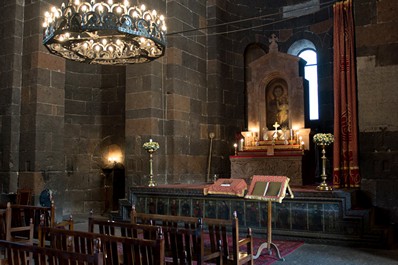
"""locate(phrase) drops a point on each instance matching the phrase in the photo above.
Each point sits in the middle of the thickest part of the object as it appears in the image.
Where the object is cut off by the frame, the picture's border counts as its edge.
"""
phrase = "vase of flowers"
(323, 140)
(151, 147)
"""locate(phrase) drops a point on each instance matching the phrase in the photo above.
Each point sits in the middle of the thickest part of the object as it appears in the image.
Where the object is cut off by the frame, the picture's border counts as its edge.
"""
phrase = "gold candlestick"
(151, 147)
(151, 182)
(323, 140)
(324, 186)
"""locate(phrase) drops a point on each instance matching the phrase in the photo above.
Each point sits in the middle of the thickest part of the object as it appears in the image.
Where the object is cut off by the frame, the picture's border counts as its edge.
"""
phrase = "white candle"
(150, 140)
(241, 143)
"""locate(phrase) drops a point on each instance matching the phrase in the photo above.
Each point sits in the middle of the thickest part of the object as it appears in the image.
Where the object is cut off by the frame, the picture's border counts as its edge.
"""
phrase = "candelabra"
(323, 186)
(151, 148)
(151, 182)
(323, 140)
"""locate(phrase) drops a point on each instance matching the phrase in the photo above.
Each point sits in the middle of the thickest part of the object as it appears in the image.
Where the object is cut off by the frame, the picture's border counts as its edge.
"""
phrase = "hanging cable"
(323, 6)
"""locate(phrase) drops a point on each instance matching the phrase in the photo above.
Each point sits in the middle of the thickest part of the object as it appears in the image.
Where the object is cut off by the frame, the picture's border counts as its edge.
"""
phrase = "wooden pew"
(236, 250)
(117, 250)
(183, 245)
(18, 229)
(17, 254)
(223, 234)
(22, 215)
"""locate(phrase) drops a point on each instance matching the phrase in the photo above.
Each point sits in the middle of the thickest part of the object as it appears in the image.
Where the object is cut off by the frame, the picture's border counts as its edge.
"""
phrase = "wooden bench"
(223, 234)
(43, 216)
(22, 254)
(18, 230)
(183, 245)
(117, 250)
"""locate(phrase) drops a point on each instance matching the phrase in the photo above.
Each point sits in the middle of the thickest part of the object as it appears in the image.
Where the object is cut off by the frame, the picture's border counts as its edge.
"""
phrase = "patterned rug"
(285, 248)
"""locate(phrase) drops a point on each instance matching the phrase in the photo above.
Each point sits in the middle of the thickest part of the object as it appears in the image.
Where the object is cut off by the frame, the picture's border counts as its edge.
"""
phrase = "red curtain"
(345, 147)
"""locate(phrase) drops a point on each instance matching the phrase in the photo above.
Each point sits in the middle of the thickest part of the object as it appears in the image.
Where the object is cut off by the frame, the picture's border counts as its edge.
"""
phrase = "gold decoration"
(323, 140)
(151, 147)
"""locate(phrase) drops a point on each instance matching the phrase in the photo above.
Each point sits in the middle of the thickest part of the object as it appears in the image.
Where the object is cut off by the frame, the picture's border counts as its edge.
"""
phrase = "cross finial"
(273, 47)
(276, 125)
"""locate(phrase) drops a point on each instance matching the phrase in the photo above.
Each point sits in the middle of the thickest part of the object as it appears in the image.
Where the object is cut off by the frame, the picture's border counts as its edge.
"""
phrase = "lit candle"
(241, 144)
(291, 134)
(236, 148)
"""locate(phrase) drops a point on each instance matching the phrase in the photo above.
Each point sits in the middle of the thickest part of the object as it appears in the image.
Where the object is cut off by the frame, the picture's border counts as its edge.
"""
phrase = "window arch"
(305, 49)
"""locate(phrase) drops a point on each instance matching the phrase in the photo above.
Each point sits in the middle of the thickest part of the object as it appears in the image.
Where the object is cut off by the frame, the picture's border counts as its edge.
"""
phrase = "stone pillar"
(144, 112)
(10, 91)
(42, 107)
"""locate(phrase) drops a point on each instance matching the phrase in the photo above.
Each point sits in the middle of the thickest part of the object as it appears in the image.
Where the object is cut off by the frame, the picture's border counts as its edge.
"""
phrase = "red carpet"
(285, 248)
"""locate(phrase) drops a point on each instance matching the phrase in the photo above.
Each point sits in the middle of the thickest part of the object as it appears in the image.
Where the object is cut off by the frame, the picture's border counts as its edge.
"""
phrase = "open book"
(269, 188)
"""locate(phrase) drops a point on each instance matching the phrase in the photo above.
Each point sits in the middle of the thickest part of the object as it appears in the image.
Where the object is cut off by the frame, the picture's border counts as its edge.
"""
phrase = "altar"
(244, 165)
(276, 137)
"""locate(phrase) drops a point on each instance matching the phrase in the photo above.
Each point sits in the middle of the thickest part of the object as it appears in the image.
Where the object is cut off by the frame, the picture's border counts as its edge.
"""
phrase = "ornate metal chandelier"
(105, 33)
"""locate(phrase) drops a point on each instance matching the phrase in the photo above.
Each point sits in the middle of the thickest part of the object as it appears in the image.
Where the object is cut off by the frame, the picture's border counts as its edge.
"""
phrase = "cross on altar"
(276, 126)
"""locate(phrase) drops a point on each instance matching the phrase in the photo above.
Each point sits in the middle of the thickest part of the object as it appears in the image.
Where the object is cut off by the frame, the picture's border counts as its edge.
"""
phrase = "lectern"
(270, 189)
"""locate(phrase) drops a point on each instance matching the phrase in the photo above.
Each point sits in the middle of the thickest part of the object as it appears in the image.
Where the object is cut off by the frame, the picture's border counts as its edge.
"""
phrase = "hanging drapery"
(345, 147)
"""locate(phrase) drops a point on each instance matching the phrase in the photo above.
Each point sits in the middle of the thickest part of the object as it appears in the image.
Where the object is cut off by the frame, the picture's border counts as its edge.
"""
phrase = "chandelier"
(105, 32)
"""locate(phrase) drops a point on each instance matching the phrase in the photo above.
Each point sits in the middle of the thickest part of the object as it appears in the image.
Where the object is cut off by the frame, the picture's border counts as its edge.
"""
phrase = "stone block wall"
(377, 67)
(94, 120)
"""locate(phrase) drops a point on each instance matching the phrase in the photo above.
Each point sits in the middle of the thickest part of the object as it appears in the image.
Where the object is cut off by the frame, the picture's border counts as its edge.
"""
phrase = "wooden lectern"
(270, 189)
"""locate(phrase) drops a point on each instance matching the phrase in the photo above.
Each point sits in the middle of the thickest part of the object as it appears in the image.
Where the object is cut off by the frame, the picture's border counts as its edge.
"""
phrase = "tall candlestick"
(236, 148)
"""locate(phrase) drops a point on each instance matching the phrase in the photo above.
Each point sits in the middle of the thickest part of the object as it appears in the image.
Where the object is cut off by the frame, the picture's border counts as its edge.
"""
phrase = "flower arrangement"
(323, 138)
(151, 145)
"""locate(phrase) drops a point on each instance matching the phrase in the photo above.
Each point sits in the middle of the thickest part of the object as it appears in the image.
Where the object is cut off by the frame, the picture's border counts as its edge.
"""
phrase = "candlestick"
(236, 148)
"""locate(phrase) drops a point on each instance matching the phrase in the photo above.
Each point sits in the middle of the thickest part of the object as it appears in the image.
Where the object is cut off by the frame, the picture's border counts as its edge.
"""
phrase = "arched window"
(305, 49)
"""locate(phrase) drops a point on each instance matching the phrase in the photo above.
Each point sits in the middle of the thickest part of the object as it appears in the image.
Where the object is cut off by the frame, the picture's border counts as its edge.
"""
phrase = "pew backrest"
(223, 235)
(19, 254)
(182, 228)
(124, 229)
(116, 249)
(18, 225)
(183, 244)
(39, 215)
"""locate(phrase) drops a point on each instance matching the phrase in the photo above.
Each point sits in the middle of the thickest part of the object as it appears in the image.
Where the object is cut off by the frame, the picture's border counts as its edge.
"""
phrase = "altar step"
(335, 217)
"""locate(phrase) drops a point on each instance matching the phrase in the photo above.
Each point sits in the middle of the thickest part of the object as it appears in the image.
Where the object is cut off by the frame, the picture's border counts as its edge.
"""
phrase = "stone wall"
(10, 91)
(377, 67)
(94, 120)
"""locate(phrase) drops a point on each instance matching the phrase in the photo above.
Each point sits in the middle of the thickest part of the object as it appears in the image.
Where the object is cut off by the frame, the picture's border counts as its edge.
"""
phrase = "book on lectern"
(269, 188)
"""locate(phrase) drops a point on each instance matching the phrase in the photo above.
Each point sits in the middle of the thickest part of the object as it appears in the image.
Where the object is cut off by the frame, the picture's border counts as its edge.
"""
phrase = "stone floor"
(318, 254)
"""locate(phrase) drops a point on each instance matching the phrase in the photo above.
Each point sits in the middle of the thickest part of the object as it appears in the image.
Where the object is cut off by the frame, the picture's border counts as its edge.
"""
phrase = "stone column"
(10, 91)
(42, 108)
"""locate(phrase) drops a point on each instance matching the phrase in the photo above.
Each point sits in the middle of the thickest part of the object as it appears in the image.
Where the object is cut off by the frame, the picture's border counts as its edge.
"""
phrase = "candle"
(291, 134)
(150, 140)
(241, 144)
(236, 148)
